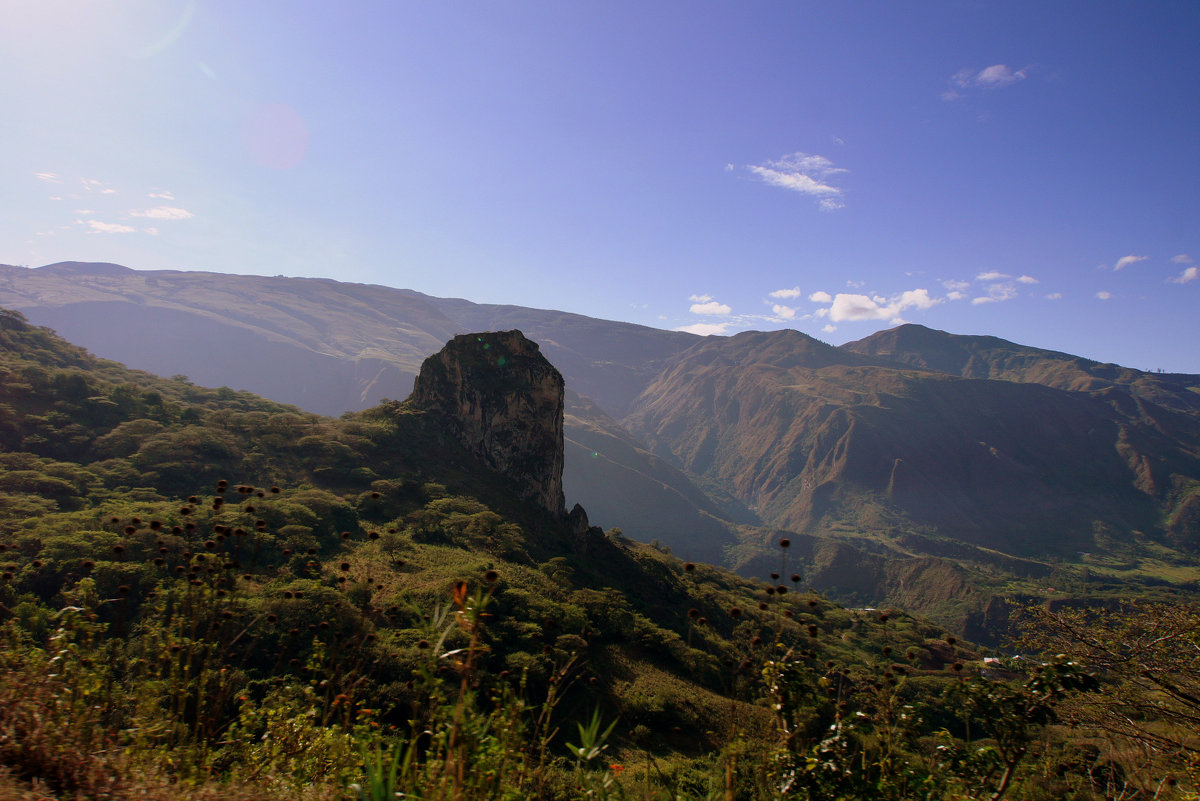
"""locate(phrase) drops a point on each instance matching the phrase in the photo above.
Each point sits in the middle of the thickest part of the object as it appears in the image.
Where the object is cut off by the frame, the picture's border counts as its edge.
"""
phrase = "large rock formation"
(501, 398)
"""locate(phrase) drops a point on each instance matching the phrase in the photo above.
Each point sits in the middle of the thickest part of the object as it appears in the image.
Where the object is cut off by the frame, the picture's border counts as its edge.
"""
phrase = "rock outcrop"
(504, 402)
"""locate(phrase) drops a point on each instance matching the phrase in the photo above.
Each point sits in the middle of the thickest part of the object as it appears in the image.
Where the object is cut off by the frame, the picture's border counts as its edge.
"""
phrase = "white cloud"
(1188, 275)
(1125, 261)
(108, 228)
(701, 298)
(855, 284)
(829, 328)
(164, 213)
(1104, 295)
(992, 276)
(821, 297)
(712, 307)
(804, 173)
(1028, 279)
(851, 306)
(48, 177)
(1182, 258)
(151, 230)
(785, 294)
(956, 286)
(996, 76)
(997, 293)
(85, 212)
(955, 295)
(164, 195)
(1054, 296)
(705, 329)
(999, 75)
(786, 312)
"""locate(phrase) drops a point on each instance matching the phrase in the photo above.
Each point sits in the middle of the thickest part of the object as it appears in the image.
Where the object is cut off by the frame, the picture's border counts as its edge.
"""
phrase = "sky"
(1027, 170)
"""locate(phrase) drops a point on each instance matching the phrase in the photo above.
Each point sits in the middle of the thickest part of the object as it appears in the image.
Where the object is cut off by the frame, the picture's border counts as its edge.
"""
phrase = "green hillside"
(206, 594)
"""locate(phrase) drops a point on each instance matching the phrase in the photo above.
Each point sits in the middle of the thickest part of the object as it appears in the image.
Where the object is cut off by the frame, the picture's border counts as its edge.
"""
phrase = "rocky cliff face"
(501, 398)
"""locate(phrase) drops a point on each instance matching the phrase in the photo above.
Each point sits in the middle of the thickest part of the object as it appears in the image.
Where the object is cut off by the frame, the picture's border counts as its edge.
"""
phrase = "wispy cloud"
(92, 185)
(1125, 261)
(1182, 258)
(164, 213)
(705, 329)
(992, 276)
(804, 173)
(1187, 276)
(786, 312)
(996, 293)
(48, 177)
(996, 76)
(107, 228)
(1027, 279)
(163, 195)
(1102, 295)
(785, 294)
(1054, 296)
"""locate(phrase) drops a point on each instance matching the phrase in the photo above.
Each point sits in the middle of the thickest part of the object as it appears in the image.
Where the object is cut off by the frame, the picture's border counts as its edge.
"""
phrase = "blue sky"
(1022, 169)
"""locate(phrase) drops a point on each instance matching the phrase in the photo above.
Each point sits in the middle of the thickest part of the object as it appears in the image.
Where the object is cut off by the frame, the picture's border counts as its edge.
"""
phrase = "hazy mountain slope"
(992, 357)
(629, 488)
(291, 333)
(323, 345)
(814, 439)
(331, 347)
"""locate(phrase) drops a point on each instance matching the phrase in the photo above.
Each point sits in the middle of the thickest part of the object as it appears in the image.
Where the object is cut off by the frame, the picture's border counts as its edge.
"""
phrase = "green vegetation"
(208, 595)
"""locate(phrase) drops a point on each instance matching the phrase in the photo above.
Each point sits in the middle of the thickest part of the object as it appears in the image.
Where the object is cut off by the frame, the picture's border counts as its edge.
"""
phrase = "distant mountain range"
(914, 464)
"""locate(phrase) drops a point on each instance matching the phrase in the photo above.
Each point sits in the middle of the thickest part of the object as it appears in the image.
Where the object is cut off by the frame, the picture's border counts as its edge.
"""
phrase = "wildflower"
(785, 543)
(795, 578)
(616, 768)
(490, 576)
(688, 567)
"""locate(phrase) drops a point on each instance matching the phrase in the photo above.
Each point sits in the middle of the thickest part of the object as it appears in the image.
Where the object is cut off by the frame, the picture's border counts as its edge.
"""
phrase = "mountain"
(323, 345)
(995, 358)
(901, 462)
(331, 347)
(915, 467)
